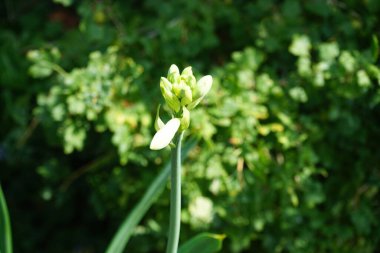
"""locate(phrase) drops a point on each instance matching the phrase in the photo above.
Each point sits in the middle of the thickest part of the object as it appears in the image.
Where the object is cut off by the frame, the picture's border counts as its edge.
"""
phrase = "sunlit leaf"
(203, 243)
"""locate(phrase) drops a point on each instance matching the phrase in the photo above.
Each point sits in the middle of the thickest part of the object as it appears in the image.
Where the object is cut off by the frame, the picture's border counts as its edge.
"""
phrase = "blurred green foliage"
(289, 132)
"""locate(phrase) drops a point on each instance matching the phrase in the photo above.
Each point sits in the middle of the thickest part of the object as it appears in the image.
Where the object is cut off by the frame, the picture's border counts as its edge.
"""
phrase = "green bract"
(182, 93)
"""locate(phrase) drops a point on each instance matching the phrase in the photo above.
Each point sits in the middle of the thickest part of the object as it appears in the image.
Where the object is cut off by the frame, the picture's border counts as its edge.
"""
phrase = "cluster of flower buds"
(182, 92)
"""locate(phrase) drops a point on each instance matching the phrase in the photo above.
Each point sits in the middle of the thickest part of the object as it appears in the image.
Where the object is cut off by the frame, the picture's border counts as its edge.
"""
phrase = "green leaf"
(43, 62)
(300, 46)
(375, 48)
(5, 226)
(40, 70)
(298, 94)
(328, 51)
(65, 3)
(363, 78)
(203, 243)
(128, 226)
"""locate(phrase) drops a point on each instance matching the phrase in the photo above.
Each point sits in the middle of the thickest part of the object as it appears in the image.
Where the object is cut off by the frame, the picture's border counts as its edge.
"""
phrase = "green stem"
(5, 226)
(175, 197)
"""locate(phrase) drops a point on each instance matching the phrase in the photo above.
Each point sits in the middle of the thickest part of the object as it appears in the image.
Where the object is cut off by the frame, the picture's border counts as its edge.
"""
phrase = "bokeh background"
(288, 153)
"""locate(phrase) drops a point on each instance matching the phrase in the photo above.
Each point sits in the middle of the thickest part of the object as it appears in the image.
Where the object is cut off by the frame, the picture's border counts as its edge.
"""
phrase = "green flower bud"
(174, 104)
(166, 84)
(173, 74)
(185, 120)
(185, 95)
(188, 71)
(188, 77)
(168, 95)
(182, 92)
(177, 88)
(202, 88)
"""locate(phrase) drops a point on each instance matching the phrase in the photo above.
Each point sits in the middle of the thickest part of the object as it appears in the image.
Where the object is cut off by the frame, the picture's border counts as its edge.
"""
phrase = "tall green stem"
(175, 196)
(5, 226)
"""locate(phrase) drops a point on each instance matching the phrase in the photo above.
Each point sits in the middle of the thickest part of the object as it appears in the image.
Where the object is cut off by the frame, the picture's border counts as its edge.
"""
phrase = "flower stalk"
(175, 196)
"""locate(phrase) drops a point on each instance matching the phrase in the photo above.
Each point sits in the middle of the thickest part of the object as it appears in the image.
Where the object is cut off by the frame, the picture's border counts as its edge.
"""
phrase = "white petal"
(204, 85)
(164, 136)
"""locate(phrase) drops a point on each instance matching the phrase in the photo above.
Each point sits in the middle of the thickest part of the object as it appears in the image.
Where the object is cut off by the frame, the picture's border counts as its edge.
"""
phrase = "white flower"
(164, 135)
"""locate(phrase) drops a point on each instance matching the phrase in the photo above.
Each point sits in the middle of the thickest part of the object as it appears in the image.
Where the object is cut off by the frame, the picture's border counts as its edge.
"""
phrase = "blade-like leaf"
(5, 226)
(203, 243)
(127, 228)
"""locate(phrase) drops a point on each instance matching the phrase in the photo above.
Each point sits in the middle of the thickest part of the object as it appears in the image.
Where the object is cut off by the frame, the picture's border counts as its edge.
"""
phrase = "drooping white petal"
(164, 136)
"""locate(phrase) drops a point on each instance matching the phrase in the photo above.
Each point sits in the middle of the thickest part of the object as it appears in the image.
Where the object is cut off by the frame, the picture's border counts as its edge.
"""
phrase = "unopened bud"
(186, 95)
(188, 71)
(164, 83)
(177, 88)
(168, 95)
(188, 77)
(173, 74)
(185, 120)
